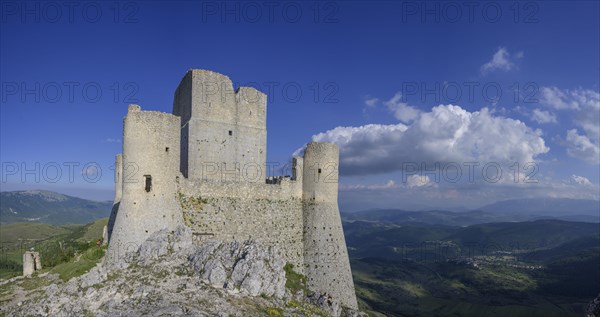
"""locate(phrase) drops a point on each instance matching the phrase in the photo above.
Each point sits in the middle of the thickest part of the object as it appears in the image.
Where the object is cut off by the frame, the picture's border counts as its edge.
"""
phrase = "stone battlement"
(284, 190)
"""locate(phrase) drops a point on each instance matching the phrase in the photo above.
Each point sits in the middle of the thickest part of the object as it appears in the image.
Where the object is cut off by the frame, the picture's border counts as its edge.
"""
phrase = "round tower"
(118, 194)
(118, 177)
(326, 262)
(150, 167)
(320, 174)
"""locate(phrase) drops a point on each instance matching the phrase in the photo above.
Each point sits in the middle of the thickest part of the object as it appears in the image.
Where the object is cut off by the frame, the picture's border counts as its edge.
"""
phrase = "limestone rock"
(247, 267)
(165, 242)
(593, 309)
(325, 302)
(95, 276)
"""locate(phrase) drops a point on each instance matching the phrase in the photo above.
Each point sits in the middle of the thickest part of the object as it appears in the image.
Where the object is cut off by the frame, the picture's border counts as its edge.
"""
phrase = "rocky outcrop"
(169, 276)
(593, 309)
(164, 242)
(248, 267)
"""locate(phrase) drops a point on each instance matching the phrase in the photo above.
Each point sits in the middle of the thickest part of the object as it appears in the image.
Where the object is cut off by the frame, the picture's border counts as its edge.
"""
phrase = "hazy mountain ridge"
(578, 210)
(547, 206)
(49, 207)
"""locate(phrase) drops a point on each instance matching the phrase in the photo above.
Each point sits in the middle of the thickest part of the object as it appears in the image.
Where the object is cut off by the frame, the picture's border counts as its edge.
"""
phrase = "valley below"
(527, 268)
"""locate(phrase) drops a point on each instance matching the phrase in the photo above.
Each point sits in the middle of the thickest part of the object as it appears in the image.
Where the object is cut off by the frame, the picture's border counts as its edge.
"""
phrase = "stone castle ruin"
(204, 166)
(31, 262)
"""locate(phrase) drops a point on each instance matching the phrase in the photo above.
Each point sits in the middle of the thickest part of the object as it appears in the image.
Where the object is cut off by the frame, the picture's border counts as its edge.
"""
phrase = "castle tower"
(118, 194)
(150, 167)
(223, 132)
(326, 263)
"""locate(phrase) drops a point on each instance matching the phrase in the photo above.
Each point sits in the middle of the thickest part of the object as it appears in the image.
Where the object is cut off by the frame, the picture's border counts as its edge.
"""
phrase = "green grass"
(294, 281)
(34, 282)
(90, 232)
(270, 311)
(79, 266)
(446, 289)
(24, 233)
(11, 265)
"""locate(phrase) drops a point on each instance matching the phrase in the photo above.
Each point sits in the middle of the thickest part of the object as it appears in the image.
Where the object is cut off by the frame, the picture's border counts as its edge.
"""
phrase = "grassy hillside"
(407, 288)
(538, 234)
(566, 250)
(56, 244)
(13, 234)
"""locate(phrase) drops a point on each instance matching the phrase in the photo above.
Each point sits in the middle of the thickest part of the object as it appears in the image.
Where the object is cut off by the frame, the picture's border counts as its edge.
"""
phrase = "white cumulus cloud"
(556, 98)
(584, 107)
(401, 110)
(501, 60)
(388, 185)
(447, 133)
(543, 116)
(417, 181)
(371, 102)
(580, 180)
(581, 147)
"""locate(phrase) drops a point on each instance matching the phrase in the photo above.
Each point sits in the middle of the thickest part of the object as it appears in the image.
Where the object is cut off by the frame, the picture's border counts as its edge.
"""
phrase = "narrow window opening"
(319, 171)
(167, 149)
(230, 132)
(148, 182)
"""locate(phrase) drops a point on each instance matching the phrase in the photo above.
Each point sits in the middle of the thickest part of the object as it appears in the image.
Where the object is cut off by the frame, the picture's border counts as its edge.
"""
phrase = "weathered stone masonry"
(205, 166)
(31, 262)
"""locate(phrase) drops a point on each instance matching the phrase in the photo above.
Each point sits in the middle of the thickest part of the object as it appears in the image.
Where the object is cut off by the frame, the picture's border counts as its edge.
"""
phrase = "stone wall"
(181, 108)
(268, 213)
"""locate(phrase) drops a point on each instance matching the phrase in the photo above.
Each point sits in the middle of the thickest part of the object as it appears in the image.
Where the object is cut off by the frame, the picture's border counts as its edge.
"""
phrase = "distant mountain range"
(503, 211)
(556, 207)
(49, 207)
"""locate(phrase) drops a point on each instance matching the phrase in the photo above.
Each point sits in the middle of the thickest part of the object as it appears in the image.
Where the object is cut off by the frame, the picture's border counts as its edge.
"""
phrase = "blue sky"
(403, 82)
